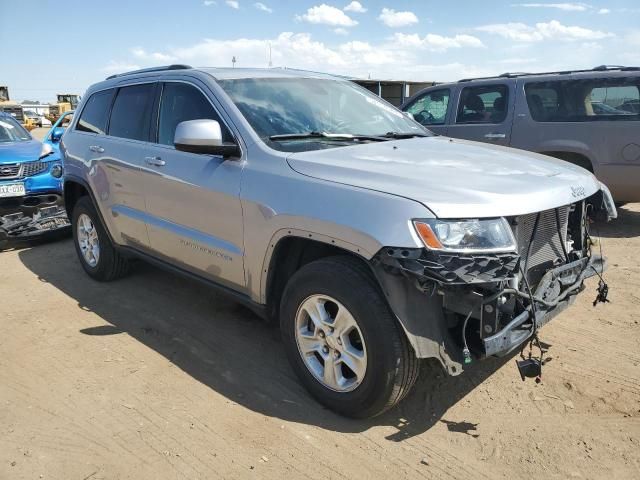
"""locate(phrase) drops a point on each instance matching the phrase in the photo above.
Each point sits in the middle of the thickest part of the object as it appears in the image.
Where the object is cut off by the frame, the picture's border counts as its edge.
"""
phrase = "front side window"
(95, 113)
(12, 131)
(431, 108)
(131, 113)
(181, 102)
(293, 106)
(584, 100)
(483, 104)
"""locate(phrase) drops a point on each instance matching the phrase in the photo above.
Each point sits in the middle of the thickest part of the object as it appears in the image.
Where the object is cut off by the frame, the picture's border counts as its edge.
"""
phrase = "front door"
(194, 216)
(484, 113)
(430, 109)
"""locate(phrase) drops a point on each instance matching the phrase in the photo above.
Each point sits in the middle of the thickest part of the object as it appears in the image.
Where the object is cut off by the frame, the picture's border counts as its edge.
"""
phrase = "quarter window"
(431, 108)
(584, 100)
(95, 113)
(483, 104)
(182, 102)
(131, 112)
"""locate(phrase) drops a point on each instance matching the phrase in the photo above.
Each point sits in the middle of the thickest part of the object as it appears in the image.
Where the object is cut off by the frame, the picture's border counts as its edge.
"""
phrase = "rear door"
(113, 168)
(121, 155)
(483, 112)
(431, 109)
(193, 200)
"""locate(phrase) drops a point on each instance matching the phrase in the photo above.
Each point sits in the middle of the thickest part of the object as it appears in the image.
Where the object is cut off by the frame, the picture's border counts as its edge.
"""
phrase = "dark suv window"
(430, 108)
(95, 113)
(584, 100)
(181, 102)
(131, 112)
(483, 104)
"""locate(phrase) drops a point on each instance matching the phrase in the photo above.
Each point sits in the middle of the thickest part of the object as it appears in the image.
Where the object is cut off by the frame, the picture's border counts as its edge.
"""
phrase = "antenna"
(233, 62)
(270, 62)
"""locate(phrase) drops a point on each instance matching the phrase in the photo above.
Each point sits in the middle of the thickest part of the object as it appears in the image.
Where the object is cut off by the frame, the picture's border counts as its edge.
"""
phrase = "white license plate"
(12, 190)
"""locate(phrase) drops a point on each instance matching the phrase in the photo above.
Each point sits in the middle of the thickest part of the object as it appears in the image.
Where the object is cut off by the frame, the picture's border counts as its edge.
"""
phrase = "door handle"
(495, 136)
(96, 149)
(155, 161)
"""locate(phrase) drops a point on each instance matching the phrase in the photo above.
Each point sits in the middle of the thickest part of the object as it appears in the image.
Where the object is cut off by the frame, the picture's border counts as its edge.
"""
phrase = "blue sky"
(399, 39)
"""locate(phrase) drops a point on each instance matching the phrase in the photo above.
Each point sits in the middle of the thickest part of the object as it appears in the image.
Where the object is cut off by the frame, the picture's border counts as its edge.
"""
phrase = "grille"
(9, 171)
(546, 250)
(33, 168)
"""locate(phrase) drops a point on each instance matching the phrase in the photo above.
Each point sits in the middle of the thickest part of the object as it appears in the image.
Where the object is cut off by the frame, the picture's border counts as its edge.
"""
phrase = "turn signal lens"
(428, 237)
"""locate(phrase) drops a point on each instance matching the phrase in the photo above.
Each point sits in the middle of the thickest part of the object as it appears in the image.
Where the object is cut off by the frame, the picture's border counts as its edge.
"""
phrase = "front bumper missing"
(555, 292)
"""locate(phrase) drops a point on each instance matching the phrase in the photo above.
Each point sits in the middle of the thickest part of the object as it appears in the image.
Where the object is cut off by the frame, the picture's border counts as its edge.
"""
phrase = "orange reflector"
(428, 237)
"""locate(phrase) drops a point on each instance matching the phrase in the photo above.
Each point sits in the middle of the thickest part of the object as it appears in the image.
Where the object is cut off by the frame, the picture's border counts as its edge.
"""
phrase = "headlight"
(474, 235)
(56, 171)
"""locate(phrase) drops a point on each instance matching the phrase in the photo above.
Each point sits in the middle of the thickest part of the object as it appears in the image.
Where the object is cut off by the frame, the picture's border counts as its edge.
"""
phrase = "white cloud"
(604, 11)
(327, 15)
(341, 31)
(355, 7)
(208, 3)
(142, 54)
(233, 4)
(395, 57)
(119, 67)
(394, 19)
(567, 7)
(263, 7)
(552, 30)
(435, 42)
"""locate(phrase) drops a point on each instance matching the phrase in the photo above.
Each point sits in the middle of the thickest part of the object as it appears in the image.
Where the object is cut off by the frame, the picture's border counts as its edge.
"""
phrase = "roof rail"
(152, 69)
(600, 68)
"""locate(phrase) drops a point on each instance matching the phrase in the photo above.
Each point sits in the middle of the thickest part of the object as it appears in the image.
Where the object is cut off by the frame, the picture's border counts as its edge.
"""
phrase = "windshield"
(12, 131)
(291, 106)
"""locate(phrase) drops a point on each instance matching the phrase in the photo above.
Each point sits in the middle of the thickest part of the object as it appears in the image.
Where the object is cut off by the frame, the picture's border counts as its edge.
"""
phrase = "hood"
(453, 178)
(16, 152)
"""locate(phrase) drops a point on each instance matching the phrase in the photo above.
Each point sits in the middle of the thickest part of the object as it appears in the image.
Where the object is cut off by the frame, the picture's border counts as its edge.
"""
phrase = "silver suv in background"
(590, 118)
(372, 241)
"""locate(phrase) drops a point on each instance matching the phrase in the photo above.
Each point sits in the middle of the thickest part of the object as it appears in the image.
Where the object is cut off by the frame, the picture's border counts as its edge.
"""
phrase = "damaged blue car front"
(31, 200)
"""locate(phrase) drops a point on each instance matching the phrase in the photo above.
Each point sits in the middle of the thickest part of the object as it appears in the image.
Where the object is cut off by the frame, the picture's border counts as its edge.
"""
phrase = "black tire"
(392, 366)
(111, 265)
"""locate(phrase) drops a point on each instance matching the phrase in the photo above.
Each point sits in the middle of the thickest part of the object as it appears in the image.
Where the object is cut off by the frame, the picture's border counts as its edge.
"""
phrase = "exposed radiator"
(546, 250)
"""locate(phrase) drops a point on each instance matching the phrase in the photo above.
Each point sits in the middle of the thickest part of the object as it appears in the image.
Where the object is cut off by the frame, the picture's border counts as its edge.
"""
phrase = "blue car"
(31, 200)
(54, 135)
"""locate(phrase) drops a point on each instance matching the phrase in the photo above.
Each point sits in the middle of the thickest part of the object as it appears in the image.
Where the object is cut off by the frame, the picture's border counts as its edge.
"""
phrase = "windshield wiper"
(328, 136)
(400, 136)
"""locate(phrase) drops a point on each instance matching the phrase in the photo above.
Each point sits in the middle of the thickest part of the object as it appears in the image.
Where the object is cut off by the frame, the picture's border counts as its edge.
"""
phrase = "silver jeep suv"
(314, 202)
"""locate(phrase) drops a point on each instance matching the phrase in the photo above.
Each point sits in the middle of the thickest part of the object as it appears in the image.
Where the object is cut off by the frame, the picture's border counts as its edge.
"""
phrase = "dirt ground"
(157, 377)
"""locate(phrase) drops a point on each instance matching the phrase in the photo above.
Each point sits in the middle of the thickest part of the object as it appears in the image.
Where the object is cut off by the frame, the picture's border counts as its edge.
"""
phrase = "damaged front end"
(455, 305)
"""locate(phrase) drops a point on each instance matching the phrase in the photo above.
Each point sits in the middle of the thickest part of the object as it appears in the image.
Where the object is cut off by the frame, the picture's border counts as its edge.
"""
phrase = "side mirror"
(203, 136)
(56, 135)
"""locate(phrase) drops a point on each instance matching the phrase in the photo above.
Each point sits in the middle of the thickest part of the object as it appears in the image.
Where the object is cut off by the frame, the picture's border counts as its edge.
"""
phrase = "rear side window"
(131, 112)
(181, 102)
(584, 100)
(95, 113)
(430, 108)
(483, 104)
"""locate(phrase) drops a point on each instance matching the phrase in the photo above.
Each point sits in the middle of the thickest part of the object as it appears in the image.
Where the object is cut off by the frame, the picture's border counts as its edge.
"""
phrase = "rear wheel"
(98, 256)
(343, 341)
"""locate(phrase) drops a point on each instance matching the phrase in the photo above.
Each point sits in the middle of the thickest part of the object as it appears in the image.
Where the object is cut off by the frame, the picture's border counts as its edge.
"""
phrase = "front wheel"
(342, 340)
(98, 256)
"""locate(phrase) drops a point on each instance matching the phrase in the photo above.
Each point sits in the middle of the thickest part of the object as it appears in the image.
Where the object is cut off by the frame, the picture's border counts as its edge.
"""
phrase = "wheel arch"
(73, 190)
(291, 249)
(576, 158)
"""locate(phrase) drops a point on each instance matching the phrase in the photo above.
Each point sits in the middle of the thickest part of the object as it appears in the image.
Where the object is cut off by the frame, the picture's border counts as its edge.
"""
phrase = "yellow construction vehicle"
(65, 103)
